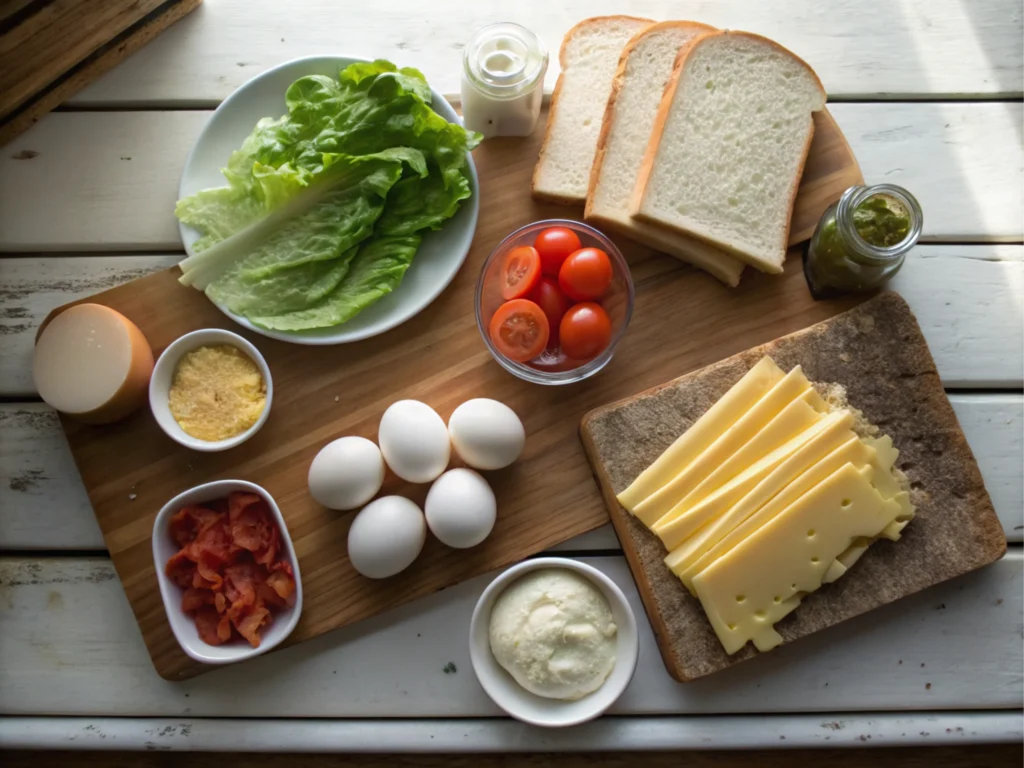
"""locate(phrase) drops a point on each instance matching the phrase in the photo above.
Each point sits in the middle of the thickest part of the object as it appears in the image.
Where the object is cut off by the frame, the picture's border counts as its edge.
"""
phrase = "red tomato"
(585, 331)
(520, 330)
(586, 274)
(549, 297)
(520, 272)
(554, 245)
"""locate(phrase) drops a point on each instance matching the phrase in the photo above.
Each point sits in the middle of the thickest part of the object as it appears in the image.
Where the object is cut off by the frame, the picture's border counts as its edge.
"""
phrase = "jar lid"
(505, 60)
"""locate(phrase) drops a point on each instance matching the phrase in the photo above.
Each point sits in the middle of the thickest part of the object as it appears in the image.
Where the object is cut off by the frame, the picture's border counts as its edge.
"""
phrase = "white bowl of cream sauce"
(553, 642)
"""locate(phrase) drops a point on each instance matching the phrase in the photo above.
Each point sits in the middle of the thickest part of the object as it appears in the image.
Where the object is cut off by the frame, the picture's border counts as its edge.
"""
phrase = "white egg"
(346, 473)
(386, 536)
(414, 441)
(461, 508)
(486, 434)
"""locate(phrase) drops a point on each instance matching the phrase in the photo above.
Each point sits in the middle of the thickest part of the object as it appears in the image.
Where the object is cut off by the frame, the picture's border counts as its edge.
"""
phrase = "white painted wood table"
(928, 93)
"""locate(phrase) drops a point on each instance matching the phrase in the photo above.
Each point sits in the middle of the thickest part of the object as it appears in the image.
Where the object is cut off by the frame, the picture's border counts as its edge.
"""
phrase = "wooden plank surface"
(50, 49)
(45, 506)
(71, 648)
(876, 352)
(993, 756)
(861, 48)
(438, 357)
(966, 298)
(119, 177)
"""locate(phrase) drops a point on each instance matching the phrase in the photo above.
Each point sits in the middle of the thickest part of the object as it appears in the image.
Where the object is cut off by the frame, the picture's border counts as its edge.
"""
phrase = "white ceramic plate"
(436, 262)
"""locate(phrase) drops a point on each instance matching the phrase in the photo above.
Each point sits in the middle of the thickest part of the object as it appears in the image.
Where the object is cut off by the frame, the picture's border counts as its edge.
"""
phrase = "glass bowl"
(552, 367)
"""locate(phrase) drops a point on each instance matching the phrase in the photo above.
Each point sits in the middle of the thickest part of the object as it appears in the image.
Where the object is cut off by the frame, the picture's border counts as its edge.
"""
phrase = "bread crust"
(553, 106)
(657, 132)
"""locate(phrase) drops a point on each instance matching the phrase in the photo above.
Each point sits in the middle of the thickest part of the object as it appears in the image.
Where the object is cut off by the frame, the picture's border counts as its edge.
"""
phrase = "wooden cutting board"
(683, 319)
(51, 49)
(877, 352)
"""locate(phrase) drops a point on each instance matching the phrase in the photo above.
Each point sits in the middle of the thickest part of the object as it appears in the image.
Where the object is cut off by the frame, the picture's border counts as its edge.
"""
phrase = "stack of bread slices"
(686, 138)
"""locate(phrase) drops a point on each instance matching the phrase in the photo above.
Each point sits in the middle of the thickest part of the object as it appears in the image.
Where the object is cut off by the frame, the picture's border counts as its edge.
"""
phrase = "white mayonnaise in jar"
(503, 80)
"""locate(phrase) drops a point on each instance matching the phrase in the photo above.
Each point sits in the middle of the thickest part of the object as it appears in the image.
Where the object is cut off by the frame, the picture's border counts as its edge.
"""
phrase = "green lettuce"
(325, 207)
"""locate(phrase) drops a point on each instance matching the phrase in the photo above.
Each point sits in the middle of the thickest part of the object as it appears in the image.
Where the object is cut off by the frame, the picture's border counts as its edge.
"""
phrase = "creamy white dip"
(553, 631)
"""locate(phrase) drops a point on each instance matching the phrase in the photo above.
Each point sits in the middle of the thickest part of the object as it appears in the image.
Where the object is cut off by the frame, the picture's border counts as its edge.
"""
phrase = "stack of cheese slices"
(773, 492)
(689, 139)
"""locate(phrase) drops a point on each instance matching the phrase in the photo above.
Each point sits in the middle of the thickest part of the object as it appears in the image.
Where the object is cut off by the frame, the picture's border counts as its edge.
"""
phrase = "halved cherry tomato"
(554, 245)
(519, 330)
(585, 331)
(586, 274)
(520, 272)
(549, 297)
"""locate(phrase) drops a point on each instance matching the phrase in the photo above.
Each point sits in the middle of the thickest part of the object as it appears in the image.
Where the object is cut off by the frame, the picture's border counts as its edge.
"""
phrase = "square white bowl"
(163, 376)
(537, 710)
(182, 625)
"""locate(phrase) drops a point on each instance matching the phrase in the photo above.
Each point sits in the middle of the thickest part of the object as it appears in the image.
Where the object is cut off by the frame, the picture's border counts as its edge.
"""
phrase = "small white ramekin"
(163, 375)
(182, 624)
(526, 706)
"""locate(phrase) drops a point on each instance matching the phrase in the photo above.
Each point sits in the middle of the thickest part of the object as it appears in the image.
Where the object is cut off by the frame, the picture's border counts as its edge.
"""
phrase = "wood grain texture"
(119, 178)
(916, 48)
(992, 756)
(966, 298)
(439, 358)
(878, 353)
(49, 50)
(71, 648)
(45, 505)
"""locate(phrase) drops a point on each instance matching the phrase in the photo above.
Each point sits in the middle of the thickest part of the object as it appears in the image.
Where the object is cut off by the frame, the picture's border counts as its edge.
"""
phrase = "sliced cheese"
(796, 418)
(789, 459)
(746, 591)
(854, 451)
(794, 384)
(722, 415)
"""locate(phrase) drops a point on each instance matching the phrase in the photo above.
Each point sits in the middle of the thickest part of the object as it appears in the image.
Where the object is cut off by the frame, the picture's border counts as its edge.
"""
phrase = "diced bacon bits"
(230, 567)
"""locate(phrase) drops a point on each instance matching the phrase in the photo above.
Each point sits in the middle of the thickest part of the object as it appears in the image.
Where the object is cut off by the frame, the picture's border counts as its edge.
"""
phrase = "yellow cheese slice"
(723, 414)
(793, 457)
(854, 451)
(745, 429)
(792, 421)
(746, 591)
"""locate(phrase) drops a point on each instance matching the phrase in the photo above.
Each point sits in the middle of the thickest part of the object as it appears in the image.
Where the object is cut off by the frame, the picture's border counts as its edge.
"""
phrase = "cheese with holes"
(854, 451)
(735, 437)
(723, 414)
(795, 419)
(699, 528)
(92, 363)
(761, 580)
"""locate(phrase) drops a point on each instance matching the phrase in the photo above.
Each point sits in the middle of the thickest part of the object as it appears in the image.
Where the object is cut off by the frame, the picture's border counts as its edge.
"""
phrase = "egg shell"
(487, 434)
(346, 473)
(461, 508)
(386, 536)
(414, 441)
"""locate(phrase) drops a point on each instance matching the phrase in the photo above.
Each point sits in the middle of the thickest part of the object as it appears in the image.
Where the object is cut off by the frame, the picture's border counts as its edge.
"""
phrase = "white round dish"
(528, 707)
(182, 625)
(163, 375)
(439, 257)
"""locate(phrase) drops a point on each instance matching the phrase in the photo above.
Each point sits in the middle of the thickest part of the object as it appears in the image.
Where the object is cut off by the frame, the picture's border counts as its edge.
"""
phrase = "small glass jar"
(850, 251)
(503, 69)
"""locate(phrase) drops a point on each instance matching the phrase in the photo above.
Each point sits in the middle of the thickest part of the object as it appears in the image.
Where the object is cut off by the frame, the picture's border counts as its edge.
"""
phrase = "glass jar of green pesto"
(861, 240)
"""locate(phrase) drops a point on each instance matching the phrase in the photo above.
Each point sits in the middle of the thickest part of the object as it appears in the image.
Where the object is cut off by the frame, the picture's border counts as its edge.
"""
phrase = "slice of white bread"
(645, 67)
(589, 54)
(728, 146)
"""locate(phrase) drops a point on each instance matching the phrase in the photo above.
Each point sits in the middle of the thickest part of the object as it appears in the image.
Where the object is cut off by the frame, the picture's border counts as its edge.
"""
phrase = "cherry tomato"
(554, 245)
(586, 274)
(520, 272)
(585, 331)
(520, 330)
(549, 297)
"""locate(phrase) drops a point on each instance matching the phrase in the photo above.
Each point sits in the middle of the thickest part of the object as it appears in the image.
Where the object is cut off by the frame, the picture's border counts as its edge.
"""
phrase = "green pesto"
(880, 225)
